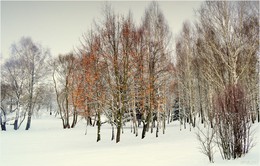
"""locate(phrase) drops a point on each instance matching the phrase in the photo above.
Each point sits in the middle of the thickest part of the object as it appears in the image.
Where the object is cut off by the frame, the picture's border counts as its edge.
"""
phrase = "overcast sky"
(59, 25)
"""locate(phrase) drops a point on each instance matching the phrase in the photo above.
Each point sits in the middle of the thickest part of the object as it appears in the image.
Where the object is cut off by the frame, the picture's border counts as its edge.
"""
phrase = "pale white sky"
(59, 25)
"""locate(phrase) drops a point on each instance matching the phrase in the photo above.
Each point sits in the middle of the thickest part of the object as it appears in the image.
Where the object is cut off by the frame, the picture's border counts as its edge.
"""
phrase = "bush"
(232, 122)
(206, 139)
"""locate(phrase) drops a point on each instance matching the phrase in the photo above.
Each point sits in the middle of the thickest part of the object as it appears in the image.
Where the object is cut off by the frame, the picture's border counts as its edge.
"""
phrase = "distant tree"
(5, 99)
(185, 74)
(14, 89)
(43, 99)
(62, 75)
(32, 56)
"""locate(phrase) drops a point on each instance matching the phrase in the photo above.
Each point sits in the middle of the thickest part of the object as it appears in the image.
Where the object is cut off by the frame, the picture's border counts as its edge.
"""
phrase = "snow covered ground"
(47, 144)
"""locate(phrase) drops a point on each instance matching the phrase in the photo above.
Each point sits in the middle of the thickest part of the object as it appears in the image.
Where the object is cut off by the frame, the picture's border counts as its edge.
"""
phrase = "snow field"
(47, 144)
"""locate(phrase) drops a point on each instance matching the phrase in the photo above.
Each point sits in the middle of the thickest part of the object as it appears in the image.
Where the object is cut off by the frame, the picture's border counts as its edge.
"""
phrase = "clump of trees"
(218, 73)
(121, 71)
(125, 71)
(63, 78)
(22, 81)
(232, 116)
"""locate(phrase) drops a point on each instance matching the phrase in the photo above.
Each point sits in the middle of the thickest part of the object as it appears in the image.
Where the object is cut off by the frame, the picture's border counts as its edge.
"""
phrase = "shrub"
(232, 122)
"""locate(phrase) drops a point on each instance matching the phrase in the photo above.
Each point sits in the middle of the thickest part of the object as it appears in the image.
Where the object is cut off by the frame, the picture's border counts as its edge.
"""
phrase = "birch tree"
(30, 62)
(225, 59)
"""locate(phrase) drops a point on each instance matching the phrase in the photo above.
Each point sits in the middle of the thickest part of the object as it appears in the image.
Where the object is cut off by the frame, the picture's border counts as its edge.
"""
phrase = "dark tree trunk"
(98, 127)
(16, 124)
(157, 129)
(258, 116)
(113, 133)
(118, 126)
(3, 123)
(139, 122)
(66, 125)
(50, 109)
(90, 121)
(185, 120)
(199, 88)
(253, 118)
(194, 121)
(144, 130)
(152, 126)
(75, 118)
(63, 121)
(118, 133)
(3, 127)
(201, 115)
(28, 125)
(67, 116)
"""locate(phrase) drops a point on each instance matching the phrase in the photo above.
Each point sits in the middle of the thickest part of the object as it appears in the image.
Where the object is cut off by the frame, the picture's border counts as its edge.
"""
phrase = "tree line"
(218, 75)
(129, 73)
(121, 70)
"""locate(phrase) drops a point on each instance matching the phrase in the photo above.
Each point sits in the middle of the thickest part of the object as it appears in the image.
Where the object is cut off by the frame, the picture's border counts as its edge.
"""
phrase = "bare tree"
(223, 59)
(157, 56)
(234, 135)
(206, 138)
(32, 56)
(186, 72)
(14, 79)
(5, 97)
(62, 76)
